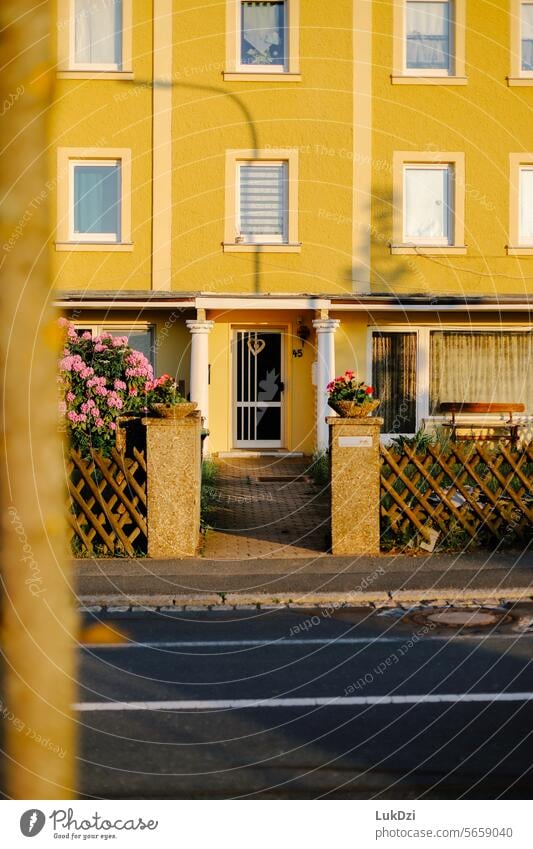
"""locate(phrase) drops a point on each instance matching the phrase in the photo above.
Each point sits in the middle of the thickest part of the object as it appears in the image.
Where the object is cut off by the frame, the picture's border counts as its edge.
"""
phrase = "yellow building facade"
(264, 194)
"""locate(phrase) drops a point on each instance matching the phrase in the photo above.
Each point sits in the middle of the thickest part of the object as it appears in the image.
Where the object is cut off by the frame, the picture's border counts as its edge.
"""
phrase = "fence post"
(173, 485)
(355, 485)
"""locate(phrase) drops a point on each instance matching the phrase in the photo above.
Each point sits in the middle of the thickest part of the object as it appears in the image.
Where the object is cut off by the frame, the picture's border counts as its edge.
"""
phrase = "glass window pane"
(527, 36)
(97, 199)
(139, 340)
(394, 380)
(98, 32)
(267, 422)
(262, 33)
(263, 201)
(426, 204)
(481, 367)
(526, 206)
(428, 35)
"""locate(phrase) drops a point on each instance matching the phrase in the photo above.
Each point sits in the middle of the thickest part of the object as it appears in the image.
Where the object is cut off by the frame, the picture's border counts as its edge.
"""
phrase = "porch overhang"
(135, 300)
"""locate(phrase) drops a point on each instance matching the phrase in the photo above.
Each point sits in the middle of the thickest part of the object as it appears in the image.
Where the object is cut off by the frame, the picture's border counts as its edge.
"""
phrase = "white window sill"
(512, 81)
(94, 246)
(429, 250)
(414, 79)
(522, 250)
(262, 76)
(95, 75)
(277, 248)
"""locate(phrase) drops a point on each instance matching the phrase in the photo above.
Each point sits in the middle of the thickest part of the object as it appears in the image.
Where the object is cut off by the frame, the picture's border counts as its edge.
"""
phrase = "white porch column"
(325, 330)
(199, 391)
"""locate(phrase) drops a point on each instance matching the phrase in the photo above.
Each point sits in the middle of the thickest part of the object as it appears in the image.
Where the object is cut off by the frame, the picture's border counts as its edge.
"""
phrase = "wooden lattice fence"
(468, 493)
(107, 503)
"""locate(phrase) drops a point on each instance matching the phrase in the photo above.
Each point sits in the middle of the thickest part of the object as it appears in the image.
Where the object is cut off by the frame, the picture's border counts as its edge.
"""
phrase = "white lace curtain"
(481, 367)
(428, 35)
(263, 33)
(527, 36)
(98, 32)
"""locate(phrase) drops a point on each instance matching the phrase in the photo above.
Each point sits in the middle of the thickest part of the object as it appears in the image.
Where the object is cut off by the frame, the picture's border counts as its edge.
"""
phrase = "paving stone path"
(267, 507)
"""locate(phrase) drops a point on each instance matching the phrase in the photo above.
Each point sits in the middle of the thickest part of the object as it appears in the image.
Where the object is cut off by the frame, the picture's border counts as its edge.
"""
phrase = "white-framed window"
(428, 37)
(261, 210)
(417, 368)
(262, 214)
(428, 204)
(263, 42)
(526, 38)
(525, 200)
(95, 200)
(96, 35)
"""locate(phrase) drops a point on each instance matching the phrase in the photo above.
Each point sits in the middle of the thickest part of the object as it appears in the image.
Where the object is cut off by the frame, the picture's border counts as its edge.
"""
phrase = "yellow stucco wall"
(111, 114)
(211, 115)
(487, 120)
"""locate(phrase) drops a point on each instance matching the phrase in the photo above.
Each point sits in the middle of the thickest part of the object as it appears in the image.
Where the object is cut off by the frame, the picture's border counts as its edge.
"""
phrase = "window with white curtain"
(428, 30)
(262, 202)
(481, 366)
(95, 200)
(263, 35)
(526, 36)
(427, 204)
(97, 34)
(525, 232)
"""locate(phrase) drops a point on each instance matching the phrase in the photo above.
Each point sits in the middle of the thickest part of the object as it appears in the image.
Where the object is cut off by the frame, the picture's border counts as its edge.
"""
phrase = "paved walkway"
(267, 507)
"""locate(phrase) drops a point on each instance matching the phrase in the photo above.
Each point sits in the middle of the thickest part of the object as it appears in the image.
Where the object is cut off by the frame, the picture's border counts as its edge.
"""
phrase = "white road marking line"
(309, 641)
(332, 701)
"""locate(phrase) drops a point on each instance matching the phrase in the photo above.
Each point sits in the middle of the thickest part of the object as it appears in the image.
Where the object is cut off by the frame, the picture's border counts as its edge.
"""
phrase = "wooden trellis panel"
(107, 503)
(485, 492)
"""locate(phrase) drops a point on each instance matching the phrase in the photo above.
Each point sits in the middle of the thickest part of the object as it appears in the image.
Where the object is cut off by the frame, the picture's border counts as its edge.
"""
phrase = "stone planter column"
(355, 485)
(173, 485)
(325, 330)
(200, 330)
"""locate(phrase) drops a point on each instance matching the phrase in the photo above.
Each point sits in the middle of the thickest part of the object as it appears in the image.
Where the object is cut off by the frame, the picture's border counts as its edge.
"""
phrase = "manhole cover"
(465, 618)
(458, 617)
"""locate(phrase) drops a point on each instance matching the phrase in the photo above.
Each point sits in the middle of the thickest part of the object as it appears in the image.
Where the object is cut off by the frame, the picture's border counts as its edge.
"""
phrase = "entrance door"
(258, 389)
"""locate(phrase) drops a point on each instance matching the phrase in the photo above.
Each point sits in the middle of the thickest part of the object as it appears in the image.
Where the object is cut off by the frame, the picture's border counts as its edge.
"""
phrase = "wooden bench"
(507, 429)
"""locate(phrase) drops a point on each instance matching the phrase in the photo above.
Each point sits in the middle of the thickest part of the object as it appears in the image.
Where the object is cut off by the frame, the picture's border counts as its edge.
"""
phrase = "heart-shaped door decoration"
(255, 346)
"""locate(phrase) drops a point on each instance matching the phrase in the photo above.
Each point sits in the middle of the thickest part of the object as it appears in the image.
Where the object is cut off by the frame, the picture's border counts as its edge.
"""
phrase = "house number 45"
(297, 352)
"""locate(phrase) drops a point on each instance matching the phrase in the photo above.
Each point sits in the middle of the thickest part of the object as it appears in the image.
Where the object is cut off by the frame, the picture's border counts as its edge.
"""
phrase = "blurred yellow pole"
(37, 611)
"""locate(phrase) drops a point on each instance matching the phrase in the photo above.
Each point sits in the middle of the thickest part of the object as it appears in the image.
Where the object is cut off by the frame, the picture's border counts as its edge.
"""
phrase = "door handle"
(281, 386)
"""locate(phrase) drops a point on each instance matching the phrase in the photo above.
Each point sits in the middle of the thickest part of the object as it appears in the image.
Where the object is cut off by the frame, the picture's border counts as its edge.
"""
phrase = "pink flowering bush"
(100, 378)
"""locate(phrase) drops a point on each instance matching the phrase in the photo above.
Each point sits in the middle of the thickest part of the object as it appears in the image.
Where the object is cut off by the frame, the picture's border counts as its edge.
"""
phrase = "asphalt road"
(295, 704)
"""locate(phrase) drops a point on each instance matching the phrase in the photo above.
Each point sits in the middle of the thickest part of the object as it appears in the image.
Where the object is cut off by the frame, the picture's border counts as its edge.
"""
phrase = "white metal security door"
(258, 388)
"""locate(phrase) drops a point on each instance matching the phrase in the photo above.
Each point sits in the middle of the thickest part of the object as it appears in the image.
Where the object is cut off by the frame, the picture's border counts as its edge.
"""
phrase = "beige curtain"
(394, 380)
(481, 367)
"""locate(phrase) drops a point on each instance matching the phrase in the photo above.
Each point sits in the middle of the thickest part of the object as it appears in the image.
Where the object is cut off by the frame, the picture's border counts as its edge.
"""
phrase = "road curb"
(477, 596)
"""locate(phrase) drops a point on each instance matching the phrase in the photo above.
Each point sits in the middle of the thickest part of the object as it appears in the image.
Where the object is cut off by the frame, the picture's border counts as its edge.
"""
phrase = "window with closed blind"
(262, 202)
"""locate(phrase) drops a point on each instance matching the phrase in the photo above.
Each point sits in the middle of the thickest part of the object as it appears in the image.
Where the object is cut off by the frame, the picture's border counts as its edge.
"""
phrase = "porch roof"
(133, 299)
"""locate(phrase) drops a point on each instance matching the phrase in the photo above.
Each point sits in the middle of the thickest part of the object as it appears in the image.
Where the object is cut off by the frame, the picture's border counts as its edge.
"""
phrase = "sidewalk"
(322, 579)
